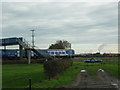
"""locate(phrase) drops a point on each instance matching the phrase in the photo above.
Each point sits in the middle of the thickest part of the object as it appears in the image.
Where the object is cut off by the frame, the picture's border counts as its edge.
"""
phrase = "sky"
(89, 27)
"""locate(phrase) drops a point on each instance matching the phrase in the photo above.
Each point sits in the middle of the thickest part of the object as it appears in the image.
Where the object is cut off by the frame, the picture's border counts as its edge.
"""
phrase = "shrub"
(54, 67)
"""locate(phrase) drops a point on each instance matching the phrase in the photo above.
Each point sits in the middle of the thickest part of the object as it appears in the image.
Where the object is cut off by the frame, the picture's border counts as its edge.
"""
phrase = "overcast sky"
(88, 26)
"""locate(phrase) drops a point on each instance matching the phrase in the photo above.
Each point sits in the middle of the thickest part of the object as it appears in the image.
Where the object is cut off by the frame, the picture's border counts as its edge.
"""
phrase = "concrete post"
(21, 52)
(29, 56)
(4, 47)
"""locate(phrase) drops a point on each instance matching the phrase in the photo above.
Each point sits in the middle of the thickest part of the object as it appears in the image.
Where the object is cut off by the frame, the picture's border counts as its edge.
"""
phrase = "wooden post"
(29, 83)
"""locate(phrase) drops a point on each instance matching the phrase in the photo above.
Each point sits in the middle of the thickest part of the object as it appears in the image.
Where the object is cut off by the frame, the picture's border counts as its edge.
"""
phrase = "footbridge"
(23, 44)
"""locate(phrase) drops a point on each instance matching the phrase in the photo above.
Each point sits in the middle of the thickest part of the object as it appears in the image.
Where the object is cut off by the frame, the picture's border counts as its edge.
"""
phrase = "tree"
(60, 44)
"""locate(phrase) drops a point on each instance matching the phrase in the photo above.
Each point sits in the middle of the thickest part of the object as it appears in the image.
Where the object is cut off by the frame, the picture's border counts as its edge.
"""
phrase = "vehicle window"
(52, 52)
(60, 52)
(63, 52)
(56, 52)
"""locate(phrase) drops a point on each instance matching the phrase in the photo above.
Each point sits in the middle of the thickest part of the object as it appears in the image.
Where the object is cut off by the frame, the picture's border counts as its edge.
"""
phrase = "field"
(17, 76)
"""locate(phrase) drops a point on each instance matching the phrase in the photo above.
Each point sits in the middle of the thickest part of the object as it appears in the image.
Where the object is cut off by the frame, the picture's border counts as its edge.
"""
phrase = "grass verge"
(63, 79)
(112, 68)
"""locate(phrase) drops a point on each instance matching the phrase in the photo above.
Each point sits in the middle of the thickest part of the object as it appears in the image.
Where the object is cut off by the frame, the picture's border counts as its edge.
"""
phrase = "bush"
(54, 67)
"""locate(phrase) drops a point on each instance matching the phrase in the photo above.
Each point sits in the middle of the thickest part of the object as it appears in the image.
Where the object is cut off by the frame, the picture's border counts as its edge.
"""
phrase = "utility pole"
(29, 51)
(33, 38)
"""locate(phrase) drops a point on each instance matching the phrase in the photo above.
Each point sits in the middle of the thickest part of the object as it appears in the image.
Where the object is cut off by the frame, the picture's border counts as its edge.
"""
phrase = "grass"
(64, 78)
(92, 69)
(111, 65)
(70, 75)
(112, 68)
(16, 76)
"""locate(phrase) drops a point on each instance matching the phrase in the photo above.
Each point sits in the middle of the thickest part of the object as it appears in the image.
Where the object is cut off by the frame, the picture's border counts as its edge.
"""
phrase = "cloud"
(78, 22)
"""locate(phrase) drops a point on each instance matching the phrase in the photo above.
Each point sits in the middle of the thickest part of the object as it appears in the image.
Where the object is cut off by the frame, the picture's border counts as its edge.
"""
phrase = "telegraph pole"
(33, 38)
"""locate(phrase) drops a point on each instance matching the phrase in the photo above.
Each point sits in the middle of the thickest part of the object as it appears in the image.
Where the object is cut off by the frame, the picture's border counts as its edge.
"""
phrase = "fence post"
(29, 83)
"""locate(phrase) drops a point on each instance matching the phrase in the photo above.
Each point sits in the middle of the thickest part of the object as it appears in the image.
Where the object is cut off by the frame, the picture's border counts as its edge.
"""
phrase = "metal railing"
(24, 43)
(27, 43)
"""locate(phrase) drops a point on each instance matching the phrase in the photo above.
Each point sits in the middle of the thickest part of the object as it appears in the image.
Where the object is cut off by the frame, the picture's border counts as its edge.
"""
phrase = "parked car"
(92, 60)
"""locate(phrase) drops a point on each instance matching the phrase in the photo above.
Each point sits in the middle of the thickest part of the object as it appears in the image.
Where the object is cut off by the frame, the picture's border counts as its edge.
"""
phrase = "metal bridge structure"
(23, 44)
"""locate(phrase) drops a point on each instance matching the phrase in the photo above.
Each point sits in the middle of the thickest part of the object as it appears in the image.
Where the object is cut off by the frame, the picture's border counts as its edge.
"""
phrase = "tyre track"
(84, 80)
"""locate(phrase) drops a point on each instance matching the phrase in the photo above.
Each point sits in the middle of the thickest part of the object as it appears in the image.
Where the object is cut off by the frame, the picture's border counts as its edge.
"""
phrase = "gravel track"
(103, 80)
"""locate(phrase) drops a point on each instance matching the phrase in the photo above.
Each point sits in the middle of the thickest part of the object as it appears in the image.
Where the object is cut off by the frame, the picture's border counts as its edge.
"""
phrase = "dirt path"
(84, 80)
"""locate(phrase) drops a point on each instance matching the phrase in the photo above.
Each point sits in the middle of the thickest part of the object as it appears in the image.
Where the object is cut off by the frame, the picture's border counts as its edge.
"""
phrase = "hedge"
(54, 67)
(24, 61)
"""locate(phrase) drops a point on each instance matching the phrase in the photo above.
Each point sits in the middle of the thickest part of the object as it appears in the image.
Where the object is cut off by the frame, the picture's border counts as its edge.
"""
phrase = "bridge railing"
(24, 43)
